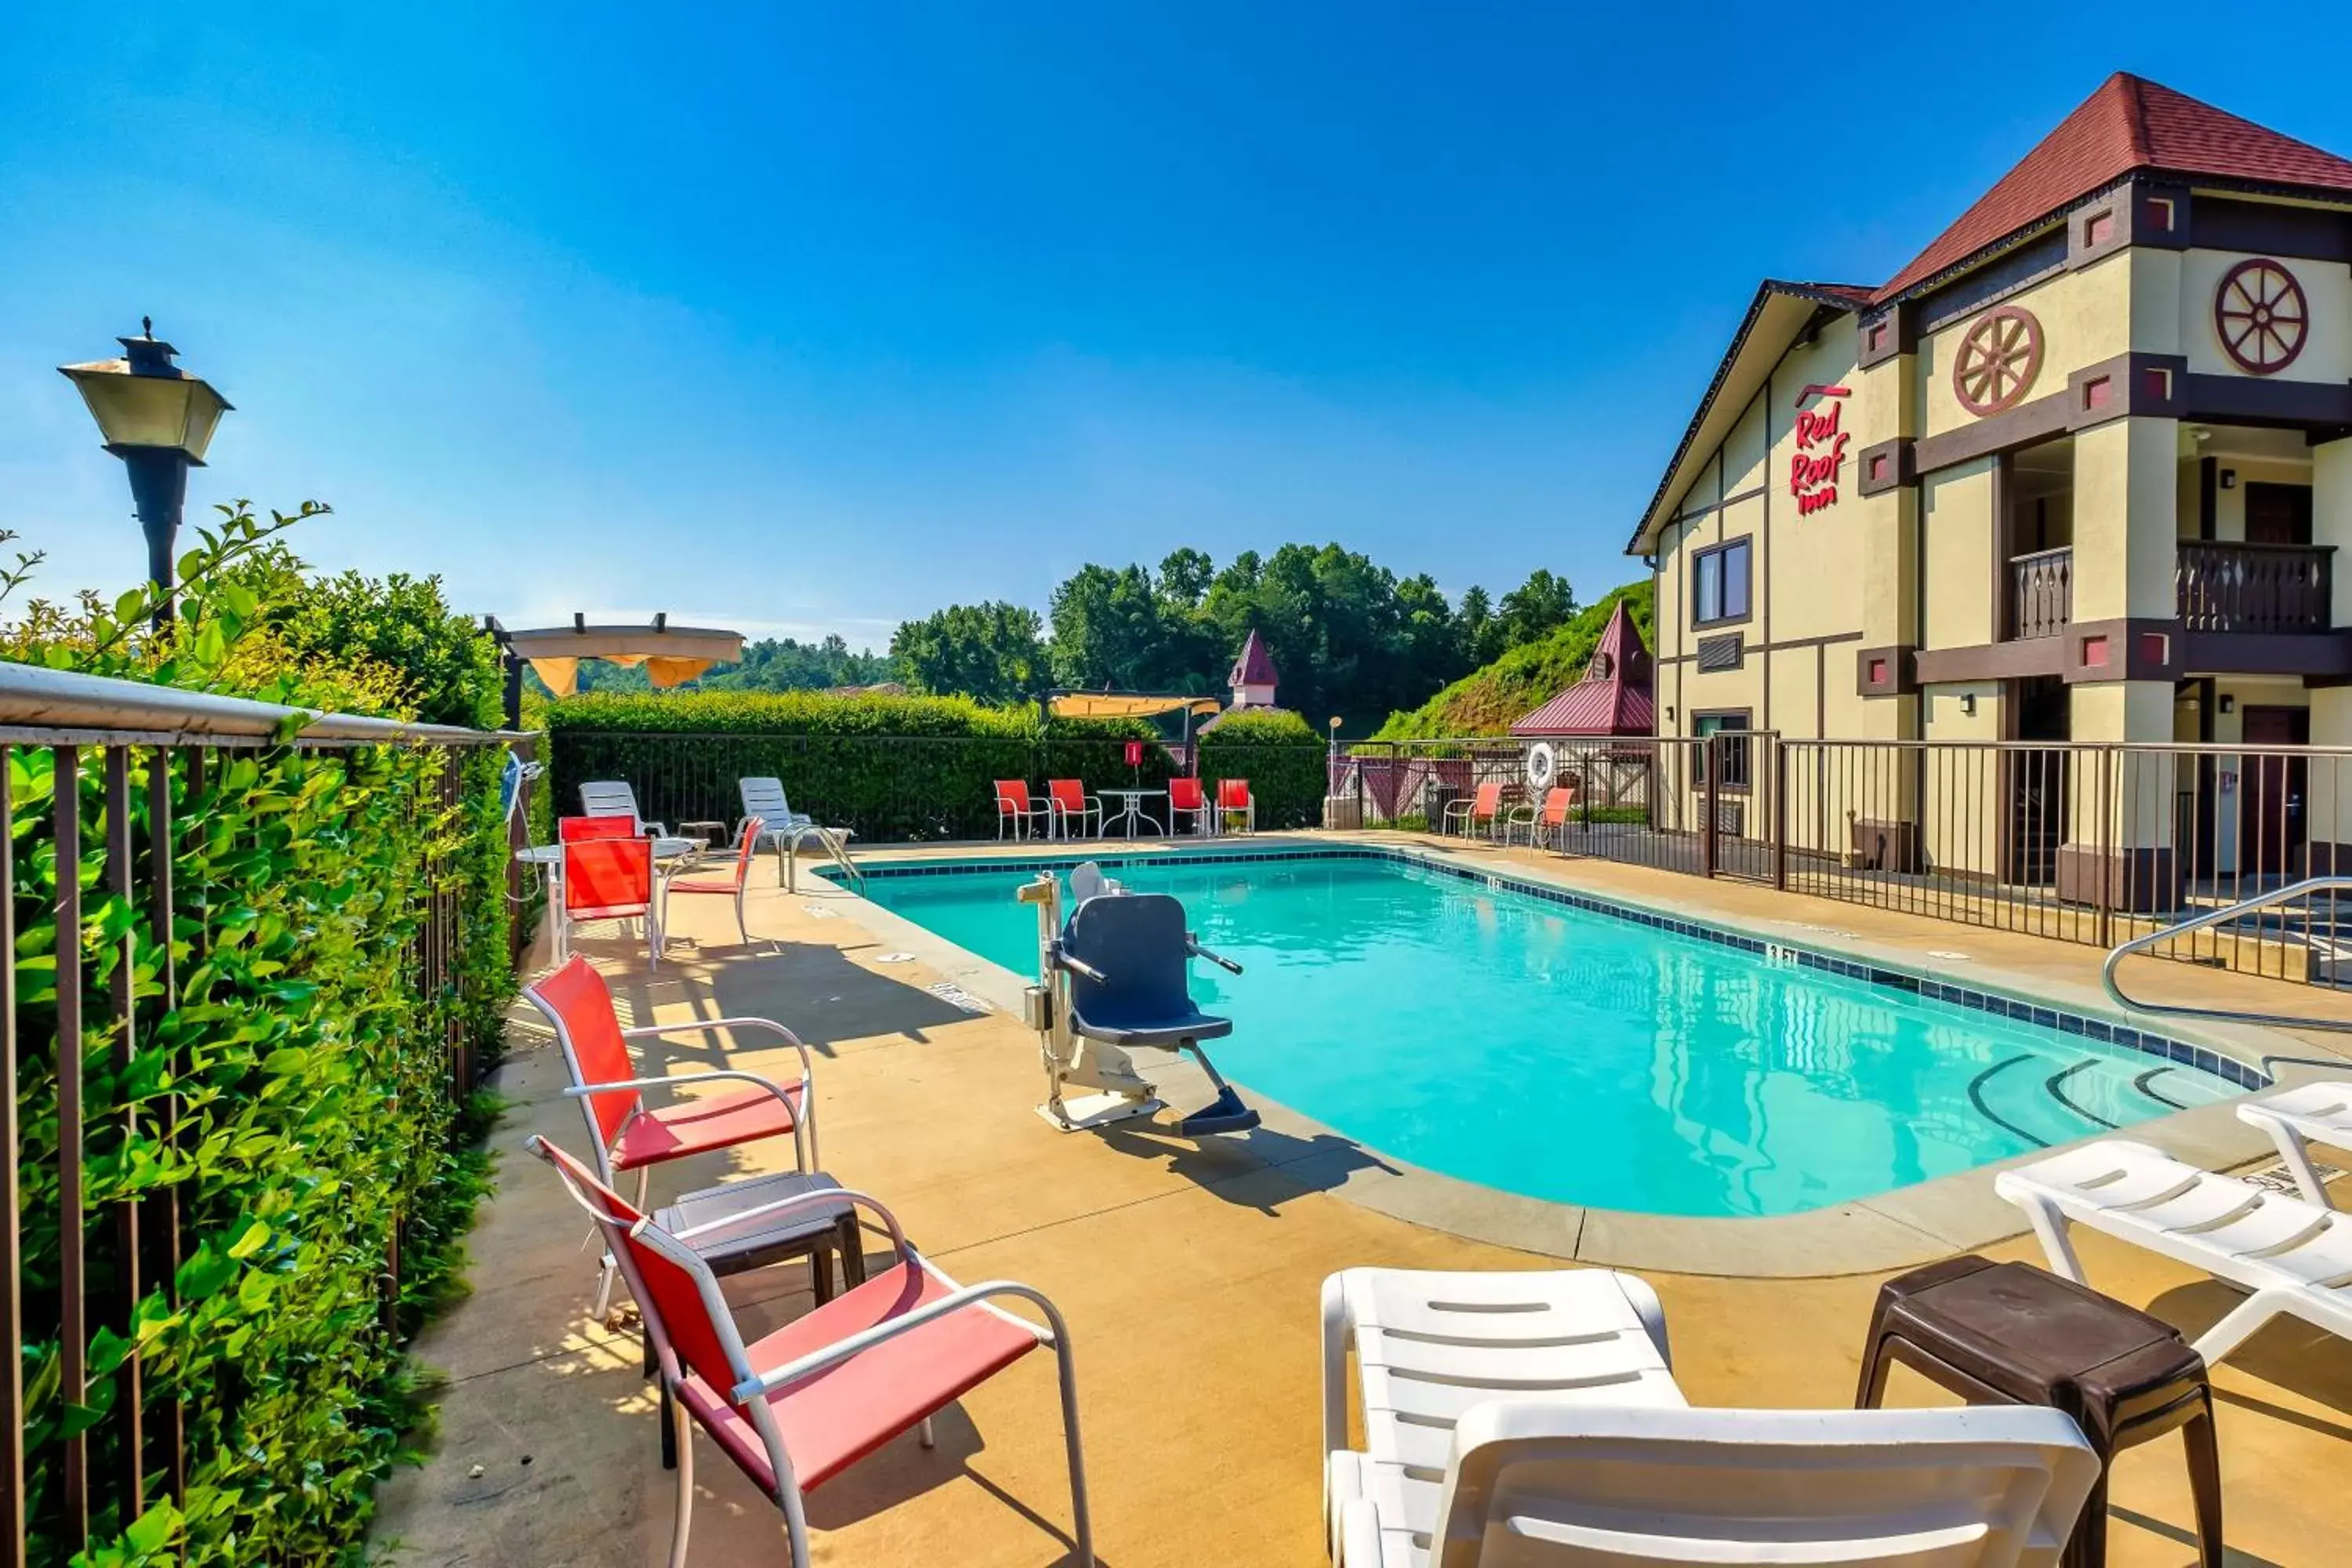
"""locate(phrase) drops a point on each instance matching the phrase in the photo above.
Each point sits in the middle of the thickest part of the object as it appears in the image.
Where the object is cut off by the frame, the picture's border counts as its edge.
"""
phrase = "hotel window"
(1719, 583)
(1734, 752)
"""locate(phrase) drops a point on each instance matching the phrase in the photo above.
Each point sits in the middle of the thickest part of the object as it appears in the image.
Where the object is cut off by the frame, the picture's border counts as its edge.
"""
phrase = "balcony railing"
(2237, 588)
(2041, 592)
(2219, 587)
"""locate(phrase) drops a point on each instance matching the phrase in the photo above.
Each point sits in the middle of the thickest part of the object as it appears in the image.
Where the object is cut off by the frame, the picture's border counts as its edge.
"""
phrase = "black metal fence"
(160, 764)
(2081, 842)
(910, 788)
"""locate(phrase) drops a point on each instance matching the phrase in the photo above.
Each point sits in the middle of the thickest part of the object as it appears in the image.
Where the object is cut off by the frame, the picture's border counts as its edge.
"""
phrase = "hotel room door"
(2270, 807)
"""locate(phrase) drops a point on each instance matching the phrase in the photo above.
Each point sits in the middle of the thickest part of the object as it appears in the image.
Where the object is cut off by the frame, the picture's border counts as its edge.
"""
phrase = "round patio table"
(1131, 812)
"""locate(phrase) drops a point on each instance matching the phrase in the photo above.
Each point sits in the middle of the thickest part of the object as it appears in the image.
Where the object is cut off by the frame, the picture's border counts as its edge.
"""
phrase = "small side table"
(2009, 1334)
(711, 833)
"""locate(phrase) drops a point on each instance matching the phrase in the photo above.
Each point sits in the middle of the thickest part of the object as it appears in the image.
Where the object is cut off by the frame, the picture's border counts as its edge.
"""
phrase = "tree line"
(1349, 636)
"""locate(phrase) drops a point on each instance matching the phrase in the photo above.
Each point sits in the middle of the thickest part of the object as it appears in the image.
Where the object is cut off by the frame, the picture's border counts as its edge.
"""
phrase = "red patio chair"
(626, 1133)
(798, 1408)
(608, 880)
(1186, 797)
(1066, 799)
(573, 829)
(734, 886)
(1014, 807)
(1546, 821)
(1485, 805)
(1234, 800)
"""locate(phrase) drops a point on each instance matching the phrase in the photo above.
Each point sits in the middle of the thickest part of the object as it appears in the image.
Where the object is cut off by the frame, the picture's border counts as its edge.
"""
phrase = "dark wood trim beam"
(2023, 426)
(2314, 405)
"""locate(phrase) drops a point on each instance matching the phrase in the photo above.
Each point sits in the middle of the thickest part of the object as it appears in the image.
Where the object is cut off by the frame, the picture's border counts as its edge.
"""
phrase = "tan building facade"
(2079, 473)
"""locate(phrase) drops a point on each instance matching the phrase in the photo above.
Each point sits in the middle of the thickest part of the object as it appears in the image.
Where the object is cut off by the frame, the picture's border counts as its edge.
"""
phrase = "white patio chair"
(614, 797)
(781, 825)
(2308, 1113)
(1513, 1419)
(2293, 1255)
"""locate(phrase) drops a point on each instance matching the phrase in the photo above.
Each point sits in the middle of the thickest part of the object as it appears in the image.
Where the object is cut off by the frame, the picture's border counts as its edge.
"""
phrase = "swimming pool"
(1497, 1033)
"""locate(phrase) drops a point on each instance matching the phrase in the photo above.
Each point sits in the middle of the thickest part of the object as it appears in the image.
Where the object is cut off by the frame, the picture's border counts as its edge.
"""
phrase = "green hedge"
(290, 1102)
(895, 769)
(1283, 758)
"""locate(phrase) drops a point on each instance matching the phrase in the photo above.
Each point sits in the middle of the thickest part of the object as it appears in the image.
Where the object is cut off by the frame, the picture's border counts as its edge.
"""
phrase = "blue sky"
(802, 319)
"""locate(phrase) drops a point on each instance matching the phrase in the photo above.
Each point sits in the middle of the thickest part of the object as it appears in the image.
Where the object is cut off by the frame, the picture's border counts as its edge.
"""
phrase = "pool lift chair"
(1111, 981)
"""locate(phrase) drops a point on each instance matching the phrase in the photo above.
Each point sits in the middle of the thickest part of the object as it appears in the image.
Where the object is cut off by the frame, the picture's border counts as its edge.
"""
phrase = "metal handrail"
(2123, 949)
(41, 701)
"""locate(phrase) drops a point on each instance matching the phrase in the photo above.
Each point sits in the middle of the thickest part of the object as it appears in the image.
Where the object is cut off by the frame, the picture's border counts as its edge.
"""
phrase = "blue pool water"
(1563, 1054)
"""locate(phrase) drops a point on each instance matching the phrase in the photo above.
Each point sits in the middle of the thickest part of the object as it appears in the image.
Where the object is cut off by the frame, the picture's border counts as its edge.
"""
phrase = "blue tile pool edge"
(2022, 1009)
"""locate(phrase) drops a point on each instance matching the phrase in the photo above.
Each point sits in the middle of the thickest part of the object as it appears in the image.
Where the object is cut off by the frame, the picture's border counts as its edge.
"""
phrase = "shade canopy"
(1125, 704)
(671, 654)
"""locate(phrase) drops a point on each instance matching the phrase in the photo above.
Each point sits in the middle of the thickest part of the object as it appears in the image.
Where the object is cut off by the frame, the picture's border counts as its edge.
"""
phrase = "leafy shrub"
(1283, 758)
(290, 1102)
(893, 768)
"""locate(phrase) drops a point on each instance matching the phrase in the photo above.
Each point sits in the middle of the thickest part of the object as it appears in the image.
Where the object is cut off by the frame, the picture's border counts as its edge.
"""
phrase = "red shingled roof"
(2129, 124)
(1613, 697)
(1255, 665)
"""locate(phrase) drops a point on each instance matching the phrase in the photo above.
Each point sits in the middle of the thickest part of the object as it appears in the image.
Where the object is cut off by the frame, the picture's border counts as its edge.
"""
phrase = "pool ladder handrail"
(2333, 882)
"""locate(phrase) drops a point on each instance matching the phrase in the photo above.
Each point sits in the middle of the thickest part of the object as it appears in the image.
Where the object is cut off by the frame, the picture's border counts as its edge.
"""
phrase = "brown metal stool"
(2009, 1334)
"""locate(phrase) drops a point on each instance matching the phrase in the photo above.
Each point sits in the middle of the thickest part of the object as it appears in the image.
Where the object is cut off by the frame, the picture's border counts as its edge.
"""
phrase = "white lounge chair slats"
(2293, 1255)
(2307, 1114)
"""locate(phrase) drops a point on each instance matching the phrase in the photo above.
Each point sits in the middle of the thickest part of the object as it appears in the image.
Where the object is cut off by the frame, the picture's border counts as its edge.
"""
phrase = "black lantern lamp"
(157, 419)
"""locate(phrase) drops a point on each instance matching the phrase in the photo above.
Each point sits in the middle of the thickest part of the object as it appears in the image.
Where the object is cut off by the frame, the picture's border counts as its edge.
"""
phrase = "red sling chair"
(735, 885)
(798, 1408)
(572, 829)
(626, 1133)
(608, 878)
(1185, 796)
(1067, 800)
(1013, 805)
(1234, 800)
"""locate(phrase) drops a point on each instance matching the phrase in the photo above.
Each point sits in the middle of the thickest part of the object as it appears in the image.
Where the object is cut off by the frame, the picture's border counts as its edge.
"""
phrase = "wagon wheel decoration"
(1998, 360)
(2262, 316)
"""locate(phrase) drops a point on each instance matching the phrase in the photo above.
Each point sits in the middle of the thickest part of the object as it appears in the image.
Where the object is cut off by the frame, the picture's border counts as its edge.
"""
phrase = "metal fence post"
(1780, 814)
(1711, 769)
(2107, 841)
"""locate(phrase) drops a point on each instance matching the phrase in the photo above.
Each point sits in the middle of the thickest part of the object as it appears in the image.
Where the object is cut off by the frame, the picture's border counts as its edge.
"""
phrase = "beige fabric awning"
(671, 654)
(1127, 705)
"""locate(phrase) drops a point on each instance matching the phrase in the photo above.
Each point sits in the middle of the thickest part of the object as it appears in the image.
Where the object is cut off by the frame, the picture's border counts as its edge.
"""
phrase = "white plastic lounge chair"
(614, 797)
(1530, 1418)
(2293, 1255)
(781, 825)
(2308, 1113)
(1541, 1484)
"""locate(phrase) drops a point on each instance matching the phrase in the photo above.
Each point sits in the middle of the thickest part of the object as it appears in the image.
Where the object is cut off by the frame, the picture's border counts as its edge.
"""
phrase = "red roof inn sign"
(1820, 449)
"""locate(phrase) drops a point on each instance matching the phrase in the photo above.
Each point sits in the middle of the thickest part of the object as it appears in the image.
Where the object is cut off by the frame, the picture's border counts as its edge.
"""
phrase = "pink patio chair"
(735, 885)
(608, 880)
(1233, 799)
(627, 1134)
(1068, 802)
(1186, 798)
(799, 1406)
(1484, 806)
(1545, 822)
(1014, 807)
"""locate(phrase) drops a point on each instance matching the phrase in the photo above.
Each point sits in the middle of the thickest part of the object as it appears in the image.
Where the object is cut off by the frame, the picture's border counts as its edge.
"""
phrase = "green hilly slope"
(1487, 702)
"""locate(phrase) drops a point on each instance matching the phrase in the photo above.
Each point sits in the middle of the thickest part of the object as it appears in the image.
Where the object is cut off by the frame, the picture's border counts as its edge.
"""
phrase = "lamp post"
(158, 420)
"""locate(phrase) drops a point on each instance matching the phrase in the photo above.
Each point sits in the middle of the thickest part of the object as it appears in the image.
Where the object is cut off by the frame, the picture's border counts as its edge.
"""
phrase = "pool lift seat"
(1111, 981)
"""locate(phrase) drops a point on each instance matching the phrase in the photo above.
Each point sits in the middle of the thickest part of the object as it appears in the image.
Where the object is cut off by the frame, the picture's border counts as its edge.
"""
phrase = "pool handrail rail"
(2331, 883)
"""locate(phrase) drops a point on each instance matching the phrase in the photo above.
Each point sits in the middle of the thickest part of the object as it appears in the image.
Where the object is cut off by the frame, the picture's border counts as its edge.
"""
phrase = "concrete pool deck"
(1901, 1228)
(1190, 1278)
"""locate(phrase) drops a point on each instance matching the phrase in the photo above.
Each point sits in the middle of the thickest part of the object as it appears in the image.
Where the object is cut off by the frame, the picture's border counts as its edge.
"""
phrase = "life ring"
(1541, 766)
